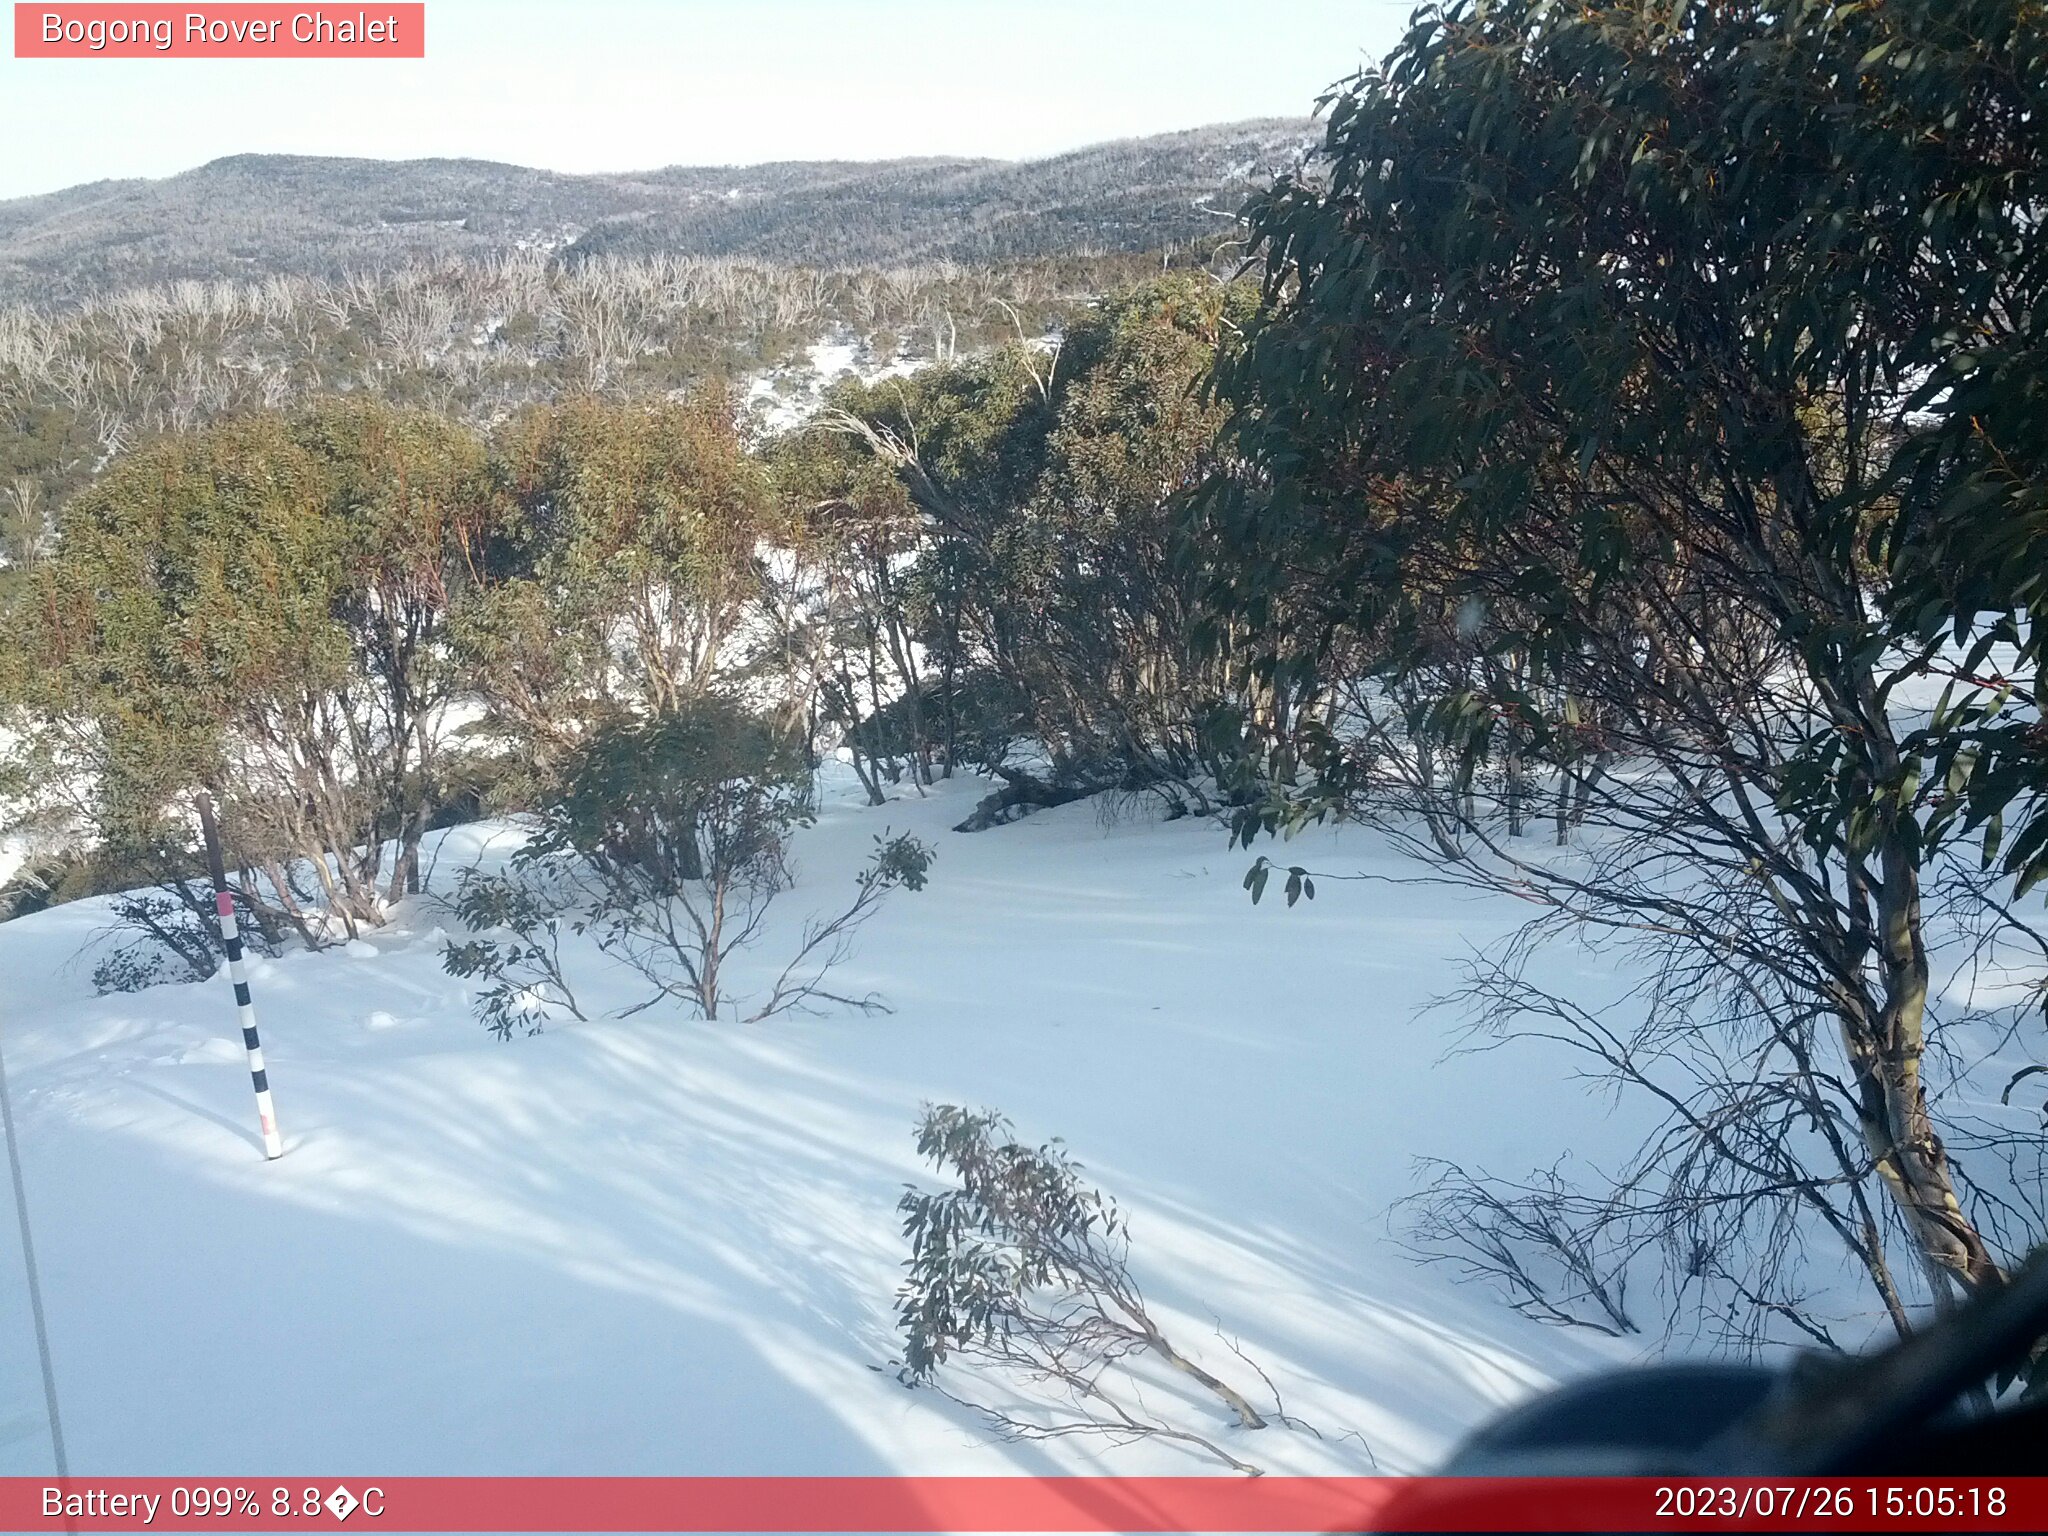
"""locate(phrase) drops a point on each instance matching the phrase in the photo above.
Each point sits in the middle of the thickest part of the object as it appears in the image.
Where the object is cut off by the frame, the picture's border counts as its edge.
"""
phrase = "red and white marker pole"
(231, 937)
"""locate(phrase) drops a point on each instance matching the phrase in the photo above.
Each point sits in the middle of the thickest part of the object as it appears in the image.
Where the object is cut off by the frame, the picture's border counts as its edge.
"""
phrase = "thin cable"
(35, 1287)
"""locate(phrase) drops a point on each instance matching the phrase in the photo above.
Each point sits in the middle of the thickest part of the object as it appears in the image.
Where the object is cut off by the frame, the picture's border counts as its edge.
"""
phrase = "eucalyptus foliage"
(1659, 384)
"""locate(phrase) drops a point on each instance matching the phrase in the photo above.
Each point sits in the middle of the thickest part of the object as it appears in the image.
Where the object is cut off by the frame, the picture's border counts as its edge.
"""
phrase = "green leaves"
(706, 791)
(1300, 883)
(899, 860)
(1722, 326)
(1020, 1221)
(268, 592)
(531, 905)
(192, 587)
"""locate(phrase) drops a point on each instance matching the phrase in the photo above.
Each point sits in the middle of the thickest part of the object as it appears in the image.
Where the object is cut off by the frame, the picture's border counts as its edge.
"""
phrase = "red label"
(1074, 1504)
(383, 31)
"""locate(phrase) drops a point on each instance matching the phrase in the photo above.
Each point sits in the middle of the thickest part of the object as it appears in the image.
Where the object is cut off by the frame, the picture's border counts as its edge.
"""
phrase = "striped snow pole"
(231, 937)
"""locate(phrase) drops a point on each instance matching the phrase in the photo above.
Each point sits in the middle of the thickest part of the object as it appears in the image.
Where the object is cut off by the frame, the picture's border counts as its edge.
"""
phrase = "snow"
(789, 395)
(669, 1247)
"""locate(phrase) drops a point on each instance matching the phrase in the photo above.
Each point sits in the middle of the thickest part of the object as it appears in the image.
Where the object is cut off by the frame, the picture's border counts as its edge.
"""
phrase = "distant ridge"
(253, 215)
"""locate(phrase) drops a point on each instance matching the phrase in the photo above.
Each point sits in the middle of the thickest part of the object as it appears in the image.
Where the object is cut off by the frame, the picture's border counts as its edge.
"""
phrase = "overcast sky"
(616, 85)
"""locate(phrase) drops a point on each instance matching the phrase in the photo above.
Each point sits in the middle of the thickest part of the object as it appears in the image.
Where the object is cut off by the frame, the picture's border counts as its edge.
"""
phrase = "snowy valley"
(663, 1245)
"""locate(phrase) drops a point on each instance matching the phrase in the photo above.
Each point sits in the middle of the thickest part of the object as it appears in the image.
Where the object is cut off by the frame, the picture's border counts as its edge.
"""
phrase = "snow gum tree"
(1044, 576)
(625, 573)
(256, 609)
(675, 828)
(1620, 393)
(1022, 1271)
(412, 493)
(850, 604)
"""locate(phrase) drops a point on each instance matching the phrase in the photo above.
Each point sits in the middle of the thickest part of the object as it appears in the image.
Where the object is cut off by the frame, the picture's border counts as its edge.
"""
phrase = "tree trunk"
(1247, 1416)
(1896, 1126)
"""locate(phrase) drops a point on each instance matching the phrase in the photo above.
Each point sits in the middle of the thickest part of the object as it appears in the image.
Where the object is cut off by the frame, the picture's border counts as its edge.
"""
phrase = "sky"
(621, 85)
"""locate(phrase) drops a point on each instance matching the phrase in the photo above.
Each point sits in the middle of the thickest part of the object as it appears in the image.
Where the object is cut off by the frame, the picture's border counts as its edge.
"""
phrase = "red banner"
(376, 31)
(920, 1504)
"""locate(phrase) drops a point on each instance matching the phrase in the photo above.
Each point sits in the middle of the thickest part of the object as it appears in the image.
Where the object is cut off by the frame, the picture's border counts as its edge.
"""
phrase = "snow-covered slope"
(662, 1246)
(789, 395)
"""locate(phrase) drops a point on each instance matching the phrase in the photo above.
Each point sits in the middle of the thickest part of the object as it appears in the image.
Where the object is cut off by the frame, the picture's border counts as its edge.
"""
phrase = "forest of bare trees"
(471, 339)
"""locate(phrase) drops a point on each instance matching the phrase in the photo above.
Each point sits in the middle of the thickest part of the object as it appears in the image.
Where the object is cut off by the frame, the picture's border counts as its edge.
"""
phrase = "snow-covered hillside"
(660, 1246)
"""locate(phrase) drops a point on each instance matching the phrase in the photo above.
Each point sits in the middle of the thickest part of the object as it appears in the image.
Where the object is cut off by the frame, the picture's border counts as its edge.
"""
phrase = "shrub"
(1023, 1270)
